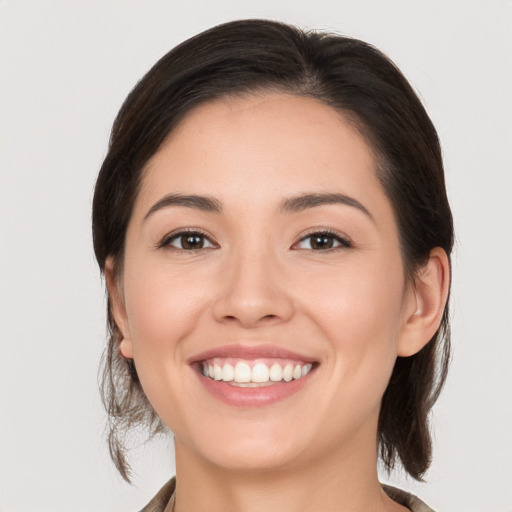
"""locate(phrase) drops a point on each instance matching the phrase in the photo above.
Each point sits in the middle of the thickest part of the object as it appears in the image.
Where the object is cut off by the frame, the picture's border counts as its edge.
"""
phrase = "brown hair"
(349, 75)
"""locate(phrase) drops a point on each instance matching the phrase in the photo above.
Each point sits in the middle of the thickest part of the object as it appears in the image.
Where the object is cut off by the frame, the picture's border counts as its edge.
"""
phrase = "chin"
(257, 458)
(256, 449)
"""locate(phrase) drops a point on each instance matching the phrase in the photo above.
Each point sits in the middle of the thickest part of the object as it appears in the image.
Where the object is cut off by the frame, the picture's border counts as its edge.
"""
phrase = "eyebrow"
(306, 201)
(203, 203)
(290, 205)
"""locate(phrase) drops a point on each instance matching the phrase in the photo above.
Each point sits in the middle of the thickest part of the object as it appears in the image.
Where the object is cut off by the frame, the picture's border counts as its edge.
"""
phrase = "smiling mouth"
(254, 373)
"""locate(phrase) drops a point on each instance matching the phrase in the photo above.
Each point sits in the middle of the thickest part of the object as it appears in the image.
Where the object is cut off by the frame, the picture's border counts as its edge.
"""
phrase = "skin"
(257, 280)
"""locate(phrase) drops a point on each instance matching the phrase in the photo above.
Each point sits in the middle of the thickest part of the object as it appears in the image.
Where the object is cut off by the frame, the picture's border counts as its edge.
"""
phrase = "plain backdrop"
(65, 70)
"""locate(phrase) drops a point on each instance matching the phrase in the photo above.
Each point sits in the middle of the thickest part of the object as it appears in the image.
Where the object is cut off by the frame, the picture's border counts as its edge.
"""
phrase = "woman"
(272, 222)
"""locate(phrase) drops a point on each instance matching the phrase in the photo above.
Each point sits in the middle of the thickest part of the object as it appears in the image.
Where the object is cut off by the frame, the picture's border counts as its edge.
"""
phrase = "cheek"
(163, 308)
(357, 299)
(360, 314)
(160, 305)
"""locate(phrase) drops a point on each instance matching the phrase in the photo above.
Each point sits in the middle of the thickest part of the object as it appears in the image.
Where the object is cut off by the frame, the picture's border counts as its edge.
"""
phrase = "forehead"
(261, 146)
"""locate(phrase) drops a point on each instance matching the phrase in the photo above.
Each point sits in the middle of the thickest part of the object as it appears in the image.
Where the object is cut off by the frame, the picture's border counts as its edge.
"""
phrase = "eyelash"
(168, 239)
(342, 241)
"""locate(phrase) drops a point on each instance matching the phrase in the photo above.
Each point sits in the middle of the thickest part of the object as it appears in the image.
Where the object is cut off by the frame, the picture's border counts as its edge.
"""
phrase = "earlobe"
(117, 308)
(430, 293)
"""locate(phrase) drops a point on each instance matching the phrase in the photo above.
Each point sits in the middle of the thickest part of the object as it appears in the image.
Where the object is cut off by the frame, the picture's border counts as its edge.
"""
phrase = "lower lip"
(252, 397)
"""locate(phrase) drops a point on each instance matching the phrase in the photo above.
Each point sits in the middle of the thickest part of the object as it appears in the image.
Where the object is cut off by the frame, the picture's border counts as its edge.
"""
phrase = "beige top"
(166, 493)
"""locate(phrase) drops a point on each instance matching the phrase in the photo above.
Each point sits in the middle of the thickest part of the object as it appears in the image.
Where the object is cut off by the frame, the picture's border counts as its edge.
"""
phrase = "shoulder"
(162, 498)
(413, 503)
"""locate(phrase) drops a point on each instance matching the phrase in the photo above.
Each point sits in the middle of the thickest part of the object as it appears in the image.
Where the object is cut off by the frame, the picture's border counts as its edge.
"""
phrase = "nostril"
(253, 320)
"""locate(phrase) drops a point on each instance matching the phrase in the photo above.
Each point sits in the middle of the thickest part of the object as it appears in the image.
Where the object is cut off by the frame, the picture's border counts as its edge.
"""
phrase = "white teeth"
(288, 373)
(228, 373)
(276, 373)
(242, 372)
(260, 373)
(306, 369)
(217, 372)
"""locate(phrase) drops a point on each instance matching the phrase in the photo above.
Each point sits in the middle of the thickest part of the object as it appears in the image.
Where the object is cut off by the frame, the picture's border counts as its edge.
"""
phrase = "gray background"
(65, 69)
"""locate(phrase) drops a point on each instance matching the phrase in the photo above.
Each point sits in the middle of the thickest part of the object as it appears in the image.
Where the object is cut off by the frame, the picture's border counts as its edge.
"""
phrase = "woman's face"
(263, 248)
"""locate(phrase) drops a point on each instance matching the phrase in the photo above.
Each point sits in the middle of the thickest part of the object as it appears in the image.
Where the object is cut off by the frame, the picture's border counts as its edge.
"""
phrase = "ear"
(117, 308)
(425, 304)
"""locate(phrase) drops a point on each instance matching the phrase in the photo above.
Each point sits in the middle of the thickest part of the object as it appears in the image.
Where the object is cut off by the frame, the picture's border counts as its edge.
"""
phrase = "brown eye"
(323, 242)
(189, 241)
(192, 242)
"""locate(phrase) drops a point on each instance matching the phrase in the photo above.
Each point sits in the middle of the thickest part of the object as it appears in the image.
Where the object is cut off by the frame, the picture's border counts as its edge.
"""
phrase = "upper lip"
(248, 352)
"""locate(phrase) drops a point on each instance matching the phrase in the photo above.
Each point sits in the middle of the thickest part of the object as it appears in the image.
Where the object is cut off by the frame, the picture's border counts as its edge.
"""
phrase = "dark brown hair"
(354, 78)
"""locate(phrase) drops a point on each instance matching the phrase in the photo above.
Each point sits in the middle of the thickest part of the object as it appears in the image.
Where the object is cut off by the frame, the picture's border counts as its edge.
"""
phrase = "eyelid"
(166, 240)
(344, 241)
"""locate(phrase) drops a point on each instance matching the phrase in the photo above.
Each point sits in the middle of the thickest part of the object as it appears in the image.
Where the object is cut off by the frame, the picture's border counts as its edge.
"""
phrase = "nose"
(253, 292)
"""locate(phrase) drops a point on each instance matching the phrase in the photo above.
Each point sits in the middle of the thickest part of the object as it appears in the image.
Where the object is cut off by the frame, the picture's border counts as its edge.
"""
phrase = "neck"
(340, 482)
